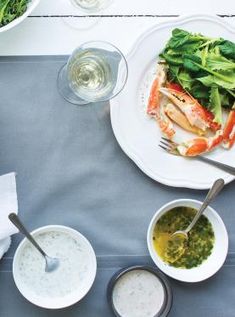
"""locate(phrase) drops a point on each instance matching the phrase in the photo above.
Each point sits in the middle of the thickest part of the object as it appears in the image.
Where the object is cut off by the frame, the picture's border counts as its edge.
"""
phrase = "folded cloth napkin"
(8, 204)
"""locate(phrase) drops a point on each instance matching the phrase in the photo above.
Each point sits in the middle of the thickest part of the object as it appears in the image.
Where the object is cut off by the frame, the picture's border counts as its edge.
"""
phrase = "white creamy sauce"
(74, 264)
(138, 293)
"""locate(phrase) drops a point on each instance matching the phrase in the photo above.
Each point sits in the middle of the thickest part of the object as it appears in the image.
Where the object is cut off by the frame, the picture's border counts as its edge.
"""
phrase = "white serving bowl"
(71, 298)
(212, 264)
(31, 6)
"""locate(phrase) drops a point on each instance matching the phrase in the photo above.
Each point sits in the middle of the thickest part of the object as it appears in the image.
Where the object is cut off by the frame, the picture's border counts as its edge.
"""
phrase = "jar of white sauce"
(140, 291)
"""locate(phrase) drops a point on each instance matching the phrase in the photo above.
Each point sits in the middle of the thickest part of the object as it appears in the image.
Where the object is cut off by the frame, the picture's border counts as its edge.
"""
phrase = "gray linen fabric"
(71, 171)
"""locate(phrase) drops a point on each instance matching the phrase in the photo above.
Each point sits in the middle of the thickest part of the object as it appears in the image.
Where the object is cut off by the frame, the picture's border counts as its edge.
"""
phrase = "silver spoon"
(51, 263)
(179, 238)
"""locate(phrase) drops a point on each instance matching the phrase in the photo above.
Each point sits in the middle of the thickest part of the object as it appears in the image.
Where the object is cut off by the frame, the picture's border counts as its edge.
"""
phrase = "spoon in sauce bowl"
(177, 242)
(51, 263)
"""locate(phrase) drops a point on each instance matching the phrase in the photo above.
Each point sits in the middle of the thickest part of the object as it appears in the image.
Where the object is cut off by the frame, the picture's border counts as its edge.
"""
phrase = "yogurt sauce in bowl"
(64, 286)
(140, 292)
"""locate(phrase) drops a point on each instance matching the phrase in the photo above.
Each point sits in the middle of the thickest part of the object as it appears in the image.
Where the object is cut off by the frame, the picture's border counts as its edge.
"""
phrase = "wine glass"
(96, 71)
(86, 11)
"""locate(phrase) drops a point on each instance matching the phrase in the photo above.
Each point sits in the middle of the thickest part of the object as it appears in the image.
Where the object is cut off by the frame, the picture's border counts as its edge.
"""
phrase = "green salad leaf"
(203, 66)
(219, 62)
(200, 92)
(211, 80)
(11, 9)
(192, 63)
(184, 39)
(179, 37)
(185, 79)
(215, 104)
(227, 48)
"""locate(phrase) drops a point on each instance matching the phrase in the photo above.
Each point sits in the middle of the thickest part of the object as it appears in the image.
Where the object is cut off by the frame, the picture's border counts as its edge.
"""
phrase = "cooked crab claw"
(196, 114)
(177, 116)
(155, 107)
(229, 130)
(200, 145)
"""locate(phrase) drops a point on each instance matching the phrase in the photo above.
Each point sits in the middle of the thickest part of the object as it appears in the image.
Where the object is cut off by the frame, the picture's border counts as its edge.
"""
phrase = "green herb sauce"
(200, 241)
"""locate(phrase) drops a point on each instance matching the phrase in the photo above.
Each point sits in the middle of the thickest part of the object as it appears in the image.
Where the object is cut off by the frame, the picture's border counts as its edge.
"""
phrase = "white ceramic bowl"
(31, 6)
(71, 298)
(212, 264)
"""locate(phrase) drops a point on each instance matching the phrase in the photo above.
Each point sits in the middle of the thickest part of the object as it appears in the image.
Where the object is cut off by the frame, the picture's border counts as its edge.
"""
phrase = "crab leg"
(165, 123)
(155, 107)
(177, 116)
(200, 145)
(197, 115)
(229, 130)
(155, 95)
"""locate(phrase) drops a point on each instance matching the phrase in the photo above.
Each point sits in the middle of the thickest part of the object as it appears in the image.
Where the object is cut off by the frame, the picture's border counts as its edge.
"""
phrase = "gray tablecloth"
(71, 171)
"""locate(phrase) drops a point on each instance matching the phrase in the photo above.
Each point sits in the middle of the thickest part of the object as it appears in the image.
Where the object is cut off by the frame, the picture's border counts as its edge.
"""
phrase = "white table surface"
(46, 33)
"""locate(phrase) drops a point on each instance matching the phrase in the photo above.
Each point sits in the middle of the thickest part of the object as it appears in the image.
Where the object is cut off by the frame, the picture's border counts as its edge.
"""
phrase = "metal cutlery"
(51, 264)
(171, 147)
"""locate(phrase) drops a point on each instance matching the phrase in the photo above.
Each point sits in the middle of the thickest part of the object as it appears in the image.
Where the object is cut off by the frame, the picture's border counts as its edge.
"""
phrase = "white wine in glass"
(90, 74)
(96, 71)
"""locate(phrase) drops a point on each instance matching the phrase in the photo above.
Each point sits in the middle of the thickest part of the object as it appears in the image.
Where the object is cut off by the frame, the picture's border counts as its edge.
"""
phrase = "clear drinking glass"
(96, 71)
(85, 13)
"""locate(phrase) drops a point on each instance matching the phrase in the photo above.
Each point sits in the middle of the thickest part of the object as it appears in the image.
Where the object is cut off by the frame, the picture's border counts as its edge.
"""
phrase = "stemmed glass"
(86, 10)
(96, 71)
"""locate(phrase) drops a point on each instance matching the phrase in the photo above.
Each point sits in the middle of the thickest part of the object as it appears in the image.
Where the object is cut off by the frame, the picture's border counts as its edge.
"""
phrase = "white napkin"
(8, 204)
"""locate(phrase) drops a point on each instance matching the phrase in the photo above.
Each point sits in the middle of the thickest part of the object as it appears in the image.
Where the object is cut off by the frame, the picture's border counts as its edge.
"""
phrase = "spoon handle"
(16, 221)
(213, 192)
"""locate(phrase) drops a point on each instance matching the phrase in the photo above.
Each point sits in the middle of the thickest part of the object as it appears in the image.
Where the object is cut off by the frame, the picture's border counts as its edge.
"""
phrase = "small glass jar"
(139, 291)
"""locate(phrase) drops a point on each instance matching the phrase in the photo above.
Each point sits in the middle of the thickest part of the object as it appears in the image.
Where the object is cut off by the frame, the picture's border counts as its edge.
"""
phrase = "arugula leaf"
(218, 62)
(185, 80)
(181, 37)
(173, 59)
(227, 48)
(188, 47)
(215, 104)
(204, 54)
(192, 62)
(199, 91)
(225, 99)
(173, 73)
(203, 66)
(211, 80)
(11, 9)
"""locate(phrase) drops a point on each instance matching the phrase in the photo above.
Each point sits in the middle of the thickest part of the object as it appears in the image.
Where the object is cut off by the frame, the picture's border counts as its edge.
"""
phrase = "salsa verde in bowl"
(207, 246)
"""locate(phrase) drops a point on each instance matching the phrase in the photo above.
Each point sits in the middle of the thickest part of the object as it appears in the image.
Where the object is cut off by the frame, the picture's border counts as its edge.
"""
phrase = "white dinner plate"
(139, 135)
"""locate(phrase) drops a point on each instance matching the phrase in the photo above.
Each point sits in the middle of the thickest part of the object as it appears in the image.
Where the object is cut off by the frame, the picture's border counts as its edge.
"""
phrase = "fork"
(171, 147)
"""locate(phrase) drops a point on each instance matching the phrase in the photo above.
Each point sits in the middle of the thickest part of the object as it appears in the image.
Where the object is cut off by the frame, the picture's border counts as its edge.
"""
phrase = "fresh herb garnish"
(11, 9)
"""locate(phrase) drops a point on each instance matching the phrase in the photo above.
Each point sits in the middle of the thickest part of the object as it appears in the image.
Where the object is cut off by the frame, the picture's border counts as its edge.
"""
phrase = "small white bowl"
(71, 298)
(212, 264)
(31, 6)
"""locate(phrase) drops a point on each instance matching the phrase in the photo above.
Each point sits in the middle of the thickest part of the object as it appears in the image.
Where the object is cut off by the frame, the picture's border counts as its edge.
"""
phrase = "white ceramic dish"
(139, 135)
(73, 297)
(212, 264)
(31, 6)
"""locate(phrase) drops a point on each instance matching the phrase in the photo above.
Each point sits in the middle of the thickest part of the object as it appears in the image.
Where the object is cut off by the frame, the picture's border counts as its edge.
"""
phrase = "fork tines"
(168, 140)
(167, 145)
